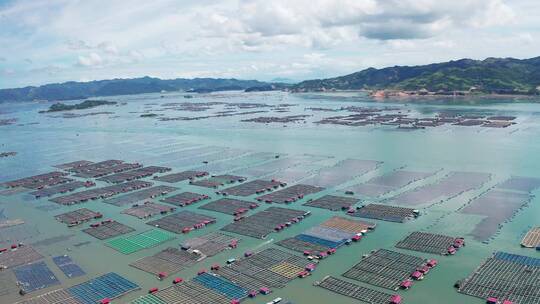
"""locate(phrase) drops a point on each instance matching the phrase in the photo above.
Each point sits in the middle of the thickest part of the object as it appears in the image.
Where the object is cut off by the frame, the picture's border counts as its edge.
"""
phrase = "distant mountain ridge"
(492, 75)
(81, 90)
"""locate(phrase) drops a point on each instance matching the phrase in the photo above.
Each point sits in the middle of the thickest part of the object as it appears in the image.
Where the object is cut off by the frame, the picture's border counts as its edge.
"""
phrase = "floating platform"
(8, 283)
(77, 217)
(103, 168)
(100, 193)
(32, 277)
(108, 229)
(532, 238)
(385, 213)
(22, 255)
(181, 176)
(139, 196)
(134, 243)
(428, 242)
(299, 245)
(110, 285)
(62, 188)
(505, 276)
(40, 180)
(210, 244)
(229, 206)
(185, 198)
(148, 299)
(351, 290)
(74, 164)
(167, 262)
(252, 187)
(59, 296)
(348, 225)
(148, 209)
(332, 202)
(68, 267)
(222, 286)
(182, 222)
(218, 181)
(191, 292)
(289, 194)
(134, 174)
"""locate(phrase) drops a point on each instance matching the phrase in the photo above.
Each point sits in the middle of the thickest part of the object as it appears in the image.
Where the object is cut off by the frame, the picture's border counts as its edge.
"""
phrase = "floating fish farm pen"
(532, 238)
(431, 243)
(348, 225)
(222, 286)
(167, 262)
(148, 209)
(185, 199)
(389, 182)
(332, 202)
(211, 243)
(230, 206)
(262, 223)
(103, 168)
(257, 186)
(191, 292)
(134, 243)
(74, 164)
(386, 213)
(32, 277)
(22, 255)
(299, 245)
(62, 188)
(385, 268)
(68, 266)
(218, 181)
(100, 193)
(107, 229)
(38, 181)
(78, 216)
(351, 290)
(181, 176)
(141, 195)
(505, 276)
(134, 174)
(289, 194)
(107, 286)
(148, 299)
(182, 222)
(53, 297)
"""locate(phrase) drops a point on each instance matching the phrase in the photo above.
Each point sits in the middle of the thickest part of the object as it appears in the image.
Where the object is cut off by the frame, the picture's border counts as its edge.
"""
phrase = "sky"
(53, 41)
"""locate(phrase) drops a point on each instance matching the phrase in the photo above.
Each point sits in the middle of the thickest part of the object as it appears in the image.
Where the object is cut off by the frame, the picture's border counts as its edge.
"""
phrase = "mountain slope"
(492, 75)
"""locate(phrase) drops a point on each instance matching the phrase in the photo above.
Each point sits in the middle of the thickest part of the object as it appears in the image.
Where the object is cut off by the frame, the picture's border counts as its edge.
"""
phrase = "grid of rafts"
(100, 193)
(532, 238)
(68, 266)
(134, 174)
(183, 221)
(107, 229)
(262, 223)
(59, 296)
(431, 243)
(107, 286)
(134, 243)
(181, 176)
(19, 256)
(141, 195)
(389, 182)
(77, 217)
(332, 202)
(185, 199)
(103, 168)
(168, 261)
(385, 268)
(230, 206)
(385, 213)
(147, 209)
(218, 181)
(191, 292)
(62, 188)
(257, 186)
(289, 194)
(35, 276)
(342, 172)
(505, 277)
(39, 181)
(210, 244)
(357, 292)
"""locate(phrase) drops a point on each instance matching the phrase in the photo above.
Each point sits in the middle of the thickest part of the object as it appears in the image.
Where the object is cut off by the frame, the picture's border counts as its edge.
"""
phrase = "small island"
(87, 104)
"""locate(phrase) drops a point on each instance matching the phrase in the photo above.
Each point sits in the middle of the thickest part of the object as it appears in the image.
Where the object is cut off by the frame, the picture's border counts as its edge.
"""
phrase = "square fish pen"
(262, 223)
(78, 216)
(107, 286)
(386, 213)
(134, 174)
(148, 209)
(191, 292)
(108, 229)
(62, 188)
(35, 276)
(68, 267)
(428, 242)
(253, 187)
(351, 290)
(298, 245)
(210, 244)
(289, 194)
(222, 286)
(532, 238)
(168, 261)
(40, 180)
(348, 225)
(182, 222)
(141, 195)
(22, 255)
(229, 206)
(134, 243)
(59, 296)
(100, 193)
(185, 199)
(385, 268)
(181, 176)
(218, 181)
(505, 276)
(332, 202)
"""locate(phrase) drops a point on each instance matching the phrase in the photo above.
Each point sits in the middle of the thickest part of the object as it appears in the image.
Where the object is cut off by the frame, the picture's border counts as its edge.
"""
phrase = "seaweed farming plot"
(389, 182)
(108, 286)
(385, 268)
(181, 176)
(505, 277)
(277, 165)
(190, 292)
(289, 194)
(519, 183)
(77, 217)
(134, 174)
(103, 168)
(210, 244)
(59, 296)
(342, 172)
(348, 225)
(257, 186)
(386, 213)
(431, 243)
(452, 185)
(134, 243)
(332, 202)
(218, 181)
(105, 192)
(166, 262)
(182, 222)
(35, 276)
(68, 267)
(185, 199)
(244, 161)
(108, 229)
(532, 238)
(357, 292)
(41, 180)
(293, 175)
(74, 164)
(204, 159)
(262, 223)
(62, 188)
(14, 234)
(142, 195)
(148, 209)
(19, 256)
(229, 206)
(496, 206)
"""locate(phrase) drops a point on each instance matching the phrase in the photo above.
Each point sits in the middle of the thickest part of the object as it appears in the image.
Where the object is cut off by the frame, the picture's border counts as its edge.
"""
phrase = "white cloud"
(92, 60)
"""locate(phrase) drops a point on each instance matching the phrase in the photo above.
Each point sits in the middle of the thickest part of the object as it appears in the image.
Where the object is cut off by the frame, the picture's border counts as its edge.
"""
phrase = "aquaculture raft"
(141, 195)
(23, 255)
(253, 187)
(103, 168)
(108, 229)
(185, 199)
(532, 238)
(222, 286)
(62, 188)
(59, 296)
(218, 181)
(100, 193)
(134, 174)
(182, 222)
(148, 209)
(360, 293)
(210, 244)
(110, 285)
(167, 261)
(229, 206)
(77, 217)
(505, 276)
(35, 276)
(181, 176)
(385, 213)
(332, 202)
(289, 194)
(141, 241)
(39, 181)
(68, 267)
(430, 243)
(390, 182)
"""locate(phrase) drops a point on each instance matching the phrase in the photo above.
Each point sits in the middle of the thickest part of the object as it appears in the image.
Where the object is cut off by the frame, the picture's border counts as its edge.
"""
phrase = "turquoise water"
(124, 135)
